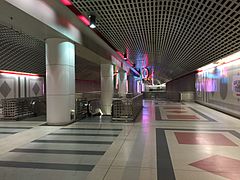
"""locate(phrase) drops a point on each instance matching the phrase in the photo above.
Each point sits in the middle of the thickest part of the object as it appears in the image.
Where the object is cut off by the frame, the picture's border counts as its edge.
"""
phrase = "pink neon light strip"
(84, 20)
(120, 54)
(66, 2)
(129, 62)
(18, 73)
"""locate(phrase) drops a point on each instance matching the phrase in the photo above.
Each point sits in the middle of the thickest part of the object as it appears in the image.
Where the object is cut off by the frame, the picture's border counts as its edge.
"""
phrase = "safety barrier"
(81, 107)
(94, 107)
(187, 96)
(17, 108)
(87, 103)
(126, 109)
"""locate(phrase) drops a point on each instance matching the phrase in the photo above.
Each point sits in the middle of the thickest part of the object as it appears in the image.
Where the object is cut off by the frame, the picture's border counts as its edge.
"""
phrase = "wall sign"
(145, 73)
(236, 86)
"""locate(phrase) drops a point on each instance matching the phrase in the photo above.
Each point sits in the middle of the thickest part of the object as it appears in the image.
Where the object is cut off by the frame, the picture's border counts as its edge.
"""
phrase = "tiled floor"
(168, 141)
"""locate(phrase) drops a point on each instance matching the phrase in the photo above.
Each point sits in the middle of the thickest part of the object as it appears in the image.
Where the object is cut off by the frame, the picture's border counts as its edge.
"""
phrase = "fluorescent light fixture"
(125, 56)
(92, 26)
(92, 21)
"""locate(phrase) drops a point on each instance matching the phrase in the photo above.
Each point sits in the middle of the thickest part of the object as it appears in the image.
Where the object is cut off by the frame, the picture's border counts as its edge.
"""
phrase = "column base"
(60, 124)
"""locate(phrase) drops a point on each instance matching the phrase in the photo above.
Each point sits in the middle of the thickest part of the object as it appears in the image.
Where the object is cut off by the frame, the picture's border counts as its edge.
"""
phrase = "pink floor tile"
(203, 139)
(177, 112)
(220, 165)
(174, 107)
(185, 117)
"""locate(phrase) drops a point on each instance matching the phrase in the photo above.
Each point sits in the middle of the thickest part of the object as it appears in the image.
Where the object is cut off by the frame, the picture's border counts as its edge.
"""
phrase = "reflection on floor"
(169, 141)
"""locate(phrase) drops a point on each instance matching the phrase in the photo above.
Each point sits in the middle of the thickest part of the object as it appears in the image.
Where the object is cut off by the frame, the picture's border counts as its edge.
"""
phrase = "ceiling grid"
(133, 29)
(20, 52)
(170, 33)
(178, 36)
(176, 23)
(167, 29)
(137, 28)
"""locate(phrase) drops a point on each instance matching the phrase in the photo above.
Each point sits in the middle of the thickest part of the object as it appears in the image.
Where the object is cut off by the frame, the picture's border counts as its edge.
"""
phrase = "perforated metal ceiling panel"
(176, 36)
(20, 52)
(87, 70)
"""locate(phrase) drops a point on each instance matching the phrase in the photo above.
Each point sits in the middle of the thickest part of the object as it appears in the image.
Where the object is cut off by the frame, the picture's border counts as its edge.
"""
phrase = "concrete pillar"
(60, 81)
(106, 88)
(122, 83)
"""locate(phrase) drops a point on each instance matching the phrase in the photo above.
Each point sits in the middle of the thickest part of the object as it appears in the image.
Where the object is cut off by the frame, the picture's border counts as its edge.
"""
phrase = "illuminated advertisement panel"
(218, 84)
(236, 85)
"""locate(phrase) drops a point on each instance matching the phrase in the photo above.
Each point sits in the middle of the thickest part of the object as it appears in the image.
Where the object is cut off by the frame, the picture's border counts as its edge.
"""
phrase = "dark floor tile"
(3, 127)
(157, 113)
(55, 166)
(83, 134)
(8, 132)
(56, 151)
(164, 162)
(105, 129)
(73, 142)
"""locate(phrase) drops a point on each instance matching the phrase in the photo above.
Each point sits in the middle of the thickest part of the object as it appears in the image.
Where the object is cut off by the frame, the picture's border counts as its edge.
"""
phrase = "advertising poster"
(236, 86)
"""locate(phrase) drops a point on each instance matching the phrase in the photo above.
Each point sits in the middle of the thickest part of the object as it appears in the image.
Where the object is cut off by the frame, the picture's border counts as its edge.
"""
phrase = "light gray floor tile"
(4, 135)
(86, 147)
(51, 158)
(40, 174)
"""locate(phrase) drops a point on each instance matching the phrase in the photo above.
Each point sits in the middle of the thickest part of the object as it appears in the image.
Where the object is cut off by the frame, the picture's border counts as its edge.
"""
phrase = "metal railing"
(87, 103)
(126, 109)
(94, 107)
(18, 108)
(187, 96)
(81, 107)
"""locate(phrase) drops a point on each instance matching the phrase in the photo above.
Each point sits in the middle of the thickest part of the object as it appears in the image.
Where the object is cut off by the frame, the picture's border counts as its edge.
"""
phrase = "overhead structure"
(178, 36)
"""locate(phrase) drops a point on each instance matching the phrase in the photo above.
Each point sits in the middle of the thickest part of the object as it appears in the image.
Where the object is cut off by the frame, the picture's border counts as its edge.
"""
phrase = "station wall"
(183, 84)
(16, 86)
(219, 87)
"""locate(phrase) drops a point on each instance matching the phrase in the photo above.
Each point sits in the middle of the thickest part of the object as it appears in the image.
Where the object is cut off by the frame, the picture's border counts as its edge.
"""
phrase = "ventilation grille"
(20, 52)
(177, 35)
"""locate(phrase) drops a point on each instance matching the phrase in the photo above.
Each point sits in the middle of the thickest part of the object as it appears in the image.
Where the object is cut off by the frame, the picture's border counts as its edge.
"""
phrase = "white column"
(122, 83)
(60, 81)
(106, 88)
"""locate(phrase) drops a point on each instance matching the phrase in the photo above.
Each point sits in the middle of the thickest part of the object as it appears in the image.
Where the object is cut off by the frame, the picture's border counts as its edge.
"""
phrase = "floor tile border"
(164, 162)
(203, 115)
(158, 115)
